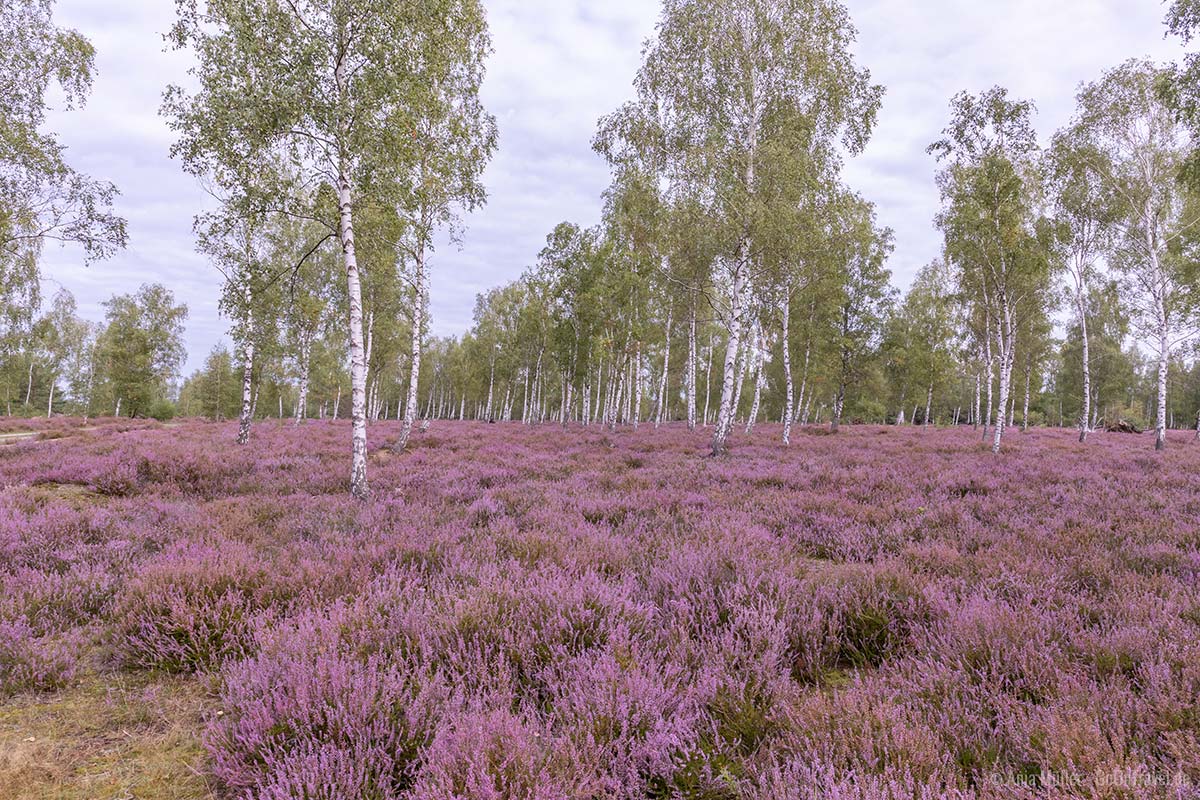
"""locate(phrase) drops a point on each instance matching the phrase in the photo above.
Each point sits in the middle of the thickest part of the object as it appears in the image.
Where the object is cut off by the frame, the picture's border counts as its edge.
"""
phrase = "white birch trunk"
(691, 368)
(491, 388)
(987, 418)
(244, 419)
(758, 381)
(708, 379)
(789, 399)
(1087, 370)
(1164, 357)
(729, 390)
(1006, 359)
(358, 361)
(418, 328)
(1025, 408)
(660, 413)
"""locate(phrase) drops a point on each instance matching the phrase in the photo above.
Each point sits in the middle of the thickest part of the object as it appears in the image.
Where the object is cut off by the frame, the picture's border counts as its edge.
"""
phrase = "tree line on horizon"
(734, 276)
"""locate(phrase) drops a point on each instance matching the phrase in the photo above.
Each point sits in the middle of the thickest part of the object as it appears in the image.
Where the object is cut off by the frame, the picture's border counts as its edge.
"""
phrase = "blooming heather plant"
(195, 605)
(538, 613)
(29, 661)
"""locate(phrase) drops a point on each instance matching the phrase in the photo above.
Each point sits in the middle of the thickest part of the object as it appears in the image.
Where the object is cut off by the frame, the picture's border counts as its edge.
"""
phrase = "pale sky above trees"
(558, 66)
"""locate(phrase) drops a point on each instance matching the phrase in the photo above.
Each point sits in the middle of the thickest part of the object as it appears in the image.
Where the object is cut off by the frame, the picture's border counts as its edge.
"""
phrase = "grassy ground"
(113, 735)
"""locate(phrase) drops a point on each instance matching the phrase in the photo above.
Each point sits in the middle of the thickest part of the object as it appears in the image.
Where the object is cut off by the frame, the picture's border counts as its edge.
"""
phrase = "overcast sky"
(558, 66)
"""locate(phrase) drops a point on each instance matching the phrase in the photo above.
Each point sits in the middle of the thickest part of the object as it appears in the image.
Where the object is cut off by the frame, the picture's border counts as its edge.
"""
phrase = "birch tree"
(1082, 226)
(234, 239)
(335, 90)
(730, 83)
(1140, 150)
(989, 186)
(456, 139)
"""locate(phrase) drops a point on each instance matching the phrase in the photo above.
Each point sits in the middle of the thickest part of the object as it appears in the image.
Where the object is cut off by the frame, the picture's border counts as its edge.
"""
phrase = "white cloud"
(558, 66)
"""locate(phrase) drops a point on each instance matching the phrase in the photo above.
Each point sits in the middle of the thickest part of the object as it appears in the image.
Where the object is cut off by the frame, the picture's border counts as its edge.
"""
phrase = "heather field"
(526, 612)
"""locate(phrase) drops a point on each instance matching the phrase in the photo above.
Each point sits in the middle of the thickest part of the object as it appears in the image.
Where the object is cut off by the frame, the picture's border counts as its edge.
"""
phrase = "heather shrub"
(627, 715)
(119, 477)
(800, 779)
(49, 536)
(194, 606)
(497, 755)
(855, 616)
(862, 730)
(542, 617)
(32, 662)
(877, 612)
(192, 472)
(322, 723)
(52, 601)
(983, 678)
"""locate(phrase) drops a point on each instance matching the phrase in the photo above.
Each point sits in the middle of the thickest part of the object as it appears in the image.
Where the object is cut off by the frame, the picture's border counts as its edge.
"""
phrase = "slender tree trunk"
(786, 340)
(708, 378)
(1087, 373)
(691, 366)
(50, 402)
(616, 396)
(660, 414)
(1164, 356)
(491, 387)
(758, 381)
(742, 365)
(302, 399)
(975, 415)
(358, 361)
(244, 419)
(538, 389)
(805, 400)
(526, 403)
(729, 387)
(839, 400)
(599, 410)
(987, 418)
(29, 383)
(1006, 359)
(928, 403)
(586, 411)
(635, 382)
(414, 354)
(1025, 408)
